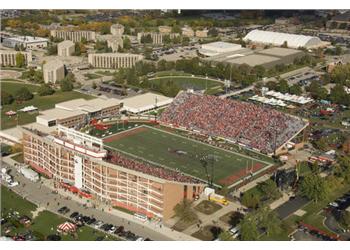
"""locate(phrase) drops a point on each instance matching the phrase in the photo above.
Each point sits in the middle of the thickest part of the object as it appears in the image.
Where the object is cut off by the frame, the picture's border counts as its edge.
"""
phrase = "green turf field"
(175, 151)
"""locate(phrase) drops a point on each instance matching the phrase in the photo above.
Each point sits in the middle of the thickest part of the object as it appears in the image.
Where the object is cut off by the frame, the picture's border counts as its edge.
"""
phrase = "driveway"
(291, 207)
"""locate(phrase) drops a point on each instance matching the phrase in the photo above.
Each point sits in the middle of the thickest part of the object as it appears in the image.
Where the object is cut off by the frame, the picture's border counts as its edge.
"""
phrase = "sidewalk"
(285, 197)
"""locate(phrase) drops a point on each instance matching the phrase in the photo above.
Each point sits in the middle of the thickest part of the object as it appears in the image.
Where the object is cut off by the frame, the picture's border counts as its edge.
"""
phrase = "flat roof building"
(278, 39)
(53, 71)
(145, 102)
(74, 35)
(113, 60)
(77, 112)
(266, 57)
(117, 29)
(65, 48)
(202, 33)
(187, 31)
(28, 42)
(113, 41)
(164, 29)
(8, 57)
(216, 48)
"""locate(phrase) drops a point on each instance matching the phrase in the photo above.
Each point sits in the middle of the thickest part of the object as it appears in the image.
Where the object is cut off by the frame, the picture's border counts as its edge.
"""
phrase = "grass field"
(41, 102)
(181, 153)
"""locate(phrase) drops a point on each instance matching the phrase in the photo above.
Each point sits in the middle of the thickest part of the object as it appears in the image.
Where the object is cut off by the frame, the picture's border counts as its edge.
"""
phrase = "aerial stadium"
(148, 166)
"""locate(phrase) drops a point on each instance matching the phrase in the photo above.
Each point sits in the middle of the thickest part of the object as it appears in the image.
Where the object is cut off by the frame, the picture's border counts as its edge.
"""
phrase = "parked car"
(73, 215)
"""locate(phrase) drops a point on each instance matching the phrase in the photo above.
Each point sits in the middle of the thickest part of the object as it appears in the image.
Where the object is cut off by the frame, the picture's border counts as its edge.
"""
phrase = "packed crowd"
(149, 169)
(257, 127)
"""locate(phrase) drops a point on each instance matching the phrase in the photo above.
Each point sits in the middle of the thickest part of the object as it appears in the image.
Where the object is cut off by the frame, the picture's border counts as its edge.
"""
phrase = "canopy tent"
(66, 227)
(10, 113)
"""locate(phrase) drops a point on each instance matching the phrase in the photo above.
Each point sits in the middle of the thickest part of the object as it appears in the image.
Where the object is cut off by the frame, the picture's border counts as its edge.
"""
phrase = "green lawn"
(11, 86)
(10, 201)
(41, 102)
(207, 207)
(175, 151)
(91, 76)
(13, 68)
(188, 82)
(105, 73)
(18, 158)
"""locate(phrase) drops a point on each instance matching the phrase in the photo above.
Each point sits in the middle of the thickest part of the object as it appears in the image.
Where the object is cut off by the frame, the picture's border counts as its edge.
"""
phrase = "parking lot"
(304, 78)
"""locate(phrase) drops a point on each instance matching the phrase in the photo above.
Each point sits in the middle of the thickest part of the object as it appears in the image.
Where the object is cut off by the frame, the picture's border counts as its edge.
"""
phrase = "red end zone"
(239, 175)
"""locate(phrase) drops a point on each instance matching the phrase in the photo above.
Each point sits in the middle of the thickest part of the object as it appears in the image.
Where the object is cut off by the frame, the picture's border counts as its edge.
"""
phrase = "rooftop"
(58, 114)
(90, 106)
(29, 39)
(145, 102)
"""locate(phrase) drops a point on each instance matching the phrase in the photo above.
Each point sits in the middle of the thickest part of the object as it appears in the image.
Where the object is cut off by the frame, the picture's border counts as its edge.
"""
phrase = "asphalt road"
(43, 196)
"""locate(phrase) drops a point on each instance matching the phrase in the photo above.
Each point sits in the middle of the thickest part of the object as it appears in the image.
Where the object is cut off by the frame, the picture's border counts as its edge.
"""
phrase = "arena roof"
(277, 39)
(215, 48)
(144, 102)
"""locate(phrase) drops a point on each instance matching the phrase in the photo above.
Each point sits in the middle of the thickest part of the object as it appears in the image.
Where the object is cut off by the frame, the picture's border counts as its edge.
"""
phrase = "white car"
(334, 204)
(13, 183)
(97, 224)
(140, 239)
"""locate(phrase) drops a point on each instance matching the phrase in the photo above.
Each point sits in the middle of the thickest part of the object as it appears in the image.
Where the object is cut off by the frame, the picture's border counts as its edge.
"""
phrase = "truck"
(218, 198)
(29, 174)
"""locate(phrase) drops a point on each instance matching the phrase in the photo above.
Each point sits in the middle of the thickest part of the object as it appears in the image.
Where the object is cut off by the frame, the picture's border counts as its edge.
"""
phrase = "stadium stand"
(257, 127)
(149, 169)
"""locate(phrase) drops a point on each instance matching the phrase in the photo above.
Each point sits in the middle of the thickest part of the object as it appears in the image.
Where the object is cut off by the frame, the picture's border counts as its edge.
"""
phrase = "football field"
(187, 155)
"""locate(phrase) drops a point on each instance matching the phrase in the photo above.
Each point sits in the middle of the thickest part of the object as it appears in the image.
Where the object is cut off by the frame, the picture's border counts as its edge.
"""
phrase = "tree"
(45, 90)
(338, 95)
(295, 90)
(345, 218)
(269, 188)
(20, 60)
(52, 49)
(94, 85)
(268, 220)
(184, 211)
(283, 86)
(314, 187)
(285, 44)
(126, 43)
(66, 86)
(317, 91)
(6, 98)
(225, 236)
(23, 94)
(250, 199)
(249, 226)
(146, 38)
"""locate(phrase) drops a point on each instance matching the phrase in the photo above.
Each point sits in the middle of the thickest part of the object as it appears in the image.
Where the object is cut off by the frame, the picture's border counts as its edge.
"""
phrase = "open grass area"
(208, 233)
(232, 218)
(105, 73)
(10, 201)
(178, 152)
(115, 128)
(188, 82)
(41, 102)
(207, 207)
(18, 158)
(11, 86)
(12, 68)
(92, 76)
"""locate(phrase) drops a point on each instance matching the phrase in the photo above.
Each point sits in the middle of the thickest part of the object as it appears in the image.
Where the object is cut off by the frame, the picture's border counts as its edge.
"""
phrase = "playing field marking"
(217, 148)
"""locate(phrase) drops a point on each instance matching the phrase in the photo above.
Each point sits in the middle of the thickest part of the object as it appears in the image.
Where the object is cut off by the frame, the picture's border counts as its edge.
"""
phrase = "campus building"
(157, 38)
(65, 48)
(78, 112)
(74, 35)
(8, 57)
(27, 42)
(187, 31)
(117, 29)
(113, 41)
(164, 29)
(202, 33)
(75, 159)
(53, 71)
(113, 60)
